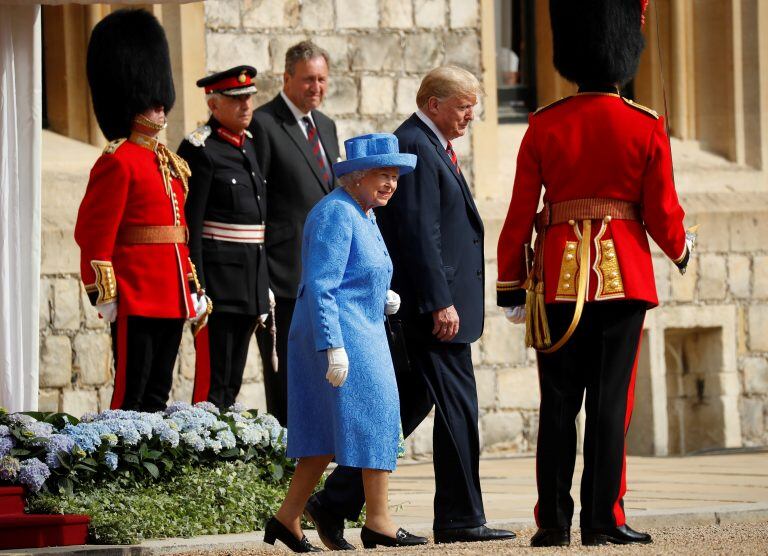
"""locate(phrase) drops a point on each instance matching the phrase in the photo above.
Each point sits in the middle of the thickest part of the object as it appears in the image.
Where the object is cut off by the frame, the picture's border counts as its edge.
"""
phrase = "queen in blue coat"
(343, 403)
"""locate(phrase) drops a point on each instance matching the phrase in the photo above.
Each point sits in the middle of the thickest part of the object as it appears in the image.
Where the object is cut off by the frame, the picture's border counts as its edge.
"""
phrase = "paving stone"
(353, 14)
(396, 14)
(79, 402)
(66, 307)
(377, 95)
(93, 358)
(55, 362)
(429, 13)
(266, 14)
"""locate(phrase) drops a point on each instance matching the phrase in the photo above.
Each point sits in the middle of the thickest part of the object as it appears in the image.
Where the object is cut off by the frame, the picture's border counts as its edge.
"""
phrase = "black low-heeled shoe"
(372, 539)
(624, 534)
(275, 530)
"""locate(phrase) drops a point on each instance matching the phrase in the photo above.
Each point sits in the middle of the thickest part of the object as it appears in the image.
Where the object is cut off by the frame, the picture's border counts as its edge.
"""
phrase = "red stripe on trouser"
(618, 509)
(202, 366)
(118, 392)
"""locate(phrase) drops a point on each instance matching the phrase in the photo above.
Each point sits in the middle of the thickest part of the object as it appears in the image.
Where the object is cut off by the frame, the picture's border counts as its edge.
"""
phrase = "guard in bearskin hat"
(131, 229)
(605, 164)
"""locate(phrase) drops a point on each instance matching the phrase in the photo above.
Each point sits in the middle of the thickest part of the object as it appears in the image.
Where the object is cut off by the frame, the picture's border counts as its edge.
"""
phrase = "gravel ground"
(727, 540)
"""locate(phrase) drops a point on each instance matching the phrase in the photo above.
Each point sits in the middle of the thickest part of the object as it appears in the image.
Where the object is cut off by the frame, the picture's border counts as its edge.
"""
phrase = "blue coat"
(346, 272)
(435, 235)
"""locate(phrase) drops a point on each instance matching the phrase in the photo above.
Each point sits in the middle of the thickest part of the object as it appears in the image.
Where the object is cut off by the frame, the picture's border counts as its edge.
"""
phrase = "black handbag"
(397, 344)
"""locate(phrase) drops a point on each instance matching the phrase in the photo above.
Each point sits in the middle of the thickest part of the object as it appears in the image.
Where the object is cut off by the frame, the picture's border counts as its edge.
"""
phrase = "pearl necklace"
(357, 200)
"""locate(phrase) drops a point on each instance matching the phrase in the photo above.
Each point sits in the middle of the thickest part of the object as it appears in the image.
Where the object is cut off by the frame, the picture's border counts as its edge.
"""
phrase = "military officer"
(130, 226)
(225, 211)
(605, 163)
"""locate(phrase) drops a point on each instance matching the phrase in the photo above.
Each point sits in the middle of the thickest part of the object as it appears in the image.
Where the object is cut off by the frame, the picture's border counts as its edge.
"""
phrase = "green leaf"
(152, 468)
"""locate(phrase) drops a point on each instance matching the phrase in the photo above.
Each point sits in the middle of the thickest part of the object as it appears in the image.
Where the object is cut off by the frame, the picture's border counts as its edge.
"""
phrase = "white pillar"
(20, 135)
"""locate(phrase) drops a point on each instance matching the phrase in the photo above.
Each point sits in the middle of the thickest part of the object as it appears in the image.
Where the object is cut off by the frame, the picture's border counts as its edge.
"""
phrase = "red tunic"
(593, 145)
(126, 189)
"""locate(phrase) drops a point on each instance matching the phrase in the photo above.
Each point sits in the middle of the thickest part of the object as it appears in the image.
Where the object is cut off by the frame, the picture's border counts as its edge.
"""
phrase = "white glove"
(271, 295)
(515, 315)
(108, 311)
(200, 303)
(338, 366)
(393, 303)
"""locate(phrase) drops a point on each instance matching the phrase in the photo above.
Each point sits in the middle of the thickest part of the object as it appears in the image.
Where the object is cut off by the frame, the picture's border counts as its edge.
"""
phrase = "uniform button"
(265, 182)
(234, 180)
(614, 274)
(571, 222)
(261, 247)
(569, 257)
(475, 241)
(253, 174)
(479, 272)
(609, 243)
(607, 218)
(571, 247)
(567, 275)
(258, 197)
(566, 285)
(243, 151)
(615, 283)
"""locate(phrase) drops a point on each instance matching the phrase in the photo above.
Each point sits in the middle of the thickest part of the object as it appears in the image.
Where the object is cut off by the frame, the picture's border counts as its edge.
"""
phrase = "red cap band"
(242, 80)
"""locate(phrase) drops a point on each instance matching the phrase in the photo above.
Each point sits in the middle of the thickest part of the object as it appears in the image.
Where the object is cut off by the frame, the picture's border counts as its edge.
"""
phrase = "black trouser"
(228, 337)
(276, 383)
(601, 358)
(442, 376)
(145, 351)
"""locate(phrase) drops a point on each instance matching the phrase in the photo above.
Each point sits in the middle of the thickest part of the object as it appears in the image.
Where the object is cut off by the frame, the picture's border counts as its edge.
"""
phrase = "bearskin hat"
(129, 69)
(597, 41)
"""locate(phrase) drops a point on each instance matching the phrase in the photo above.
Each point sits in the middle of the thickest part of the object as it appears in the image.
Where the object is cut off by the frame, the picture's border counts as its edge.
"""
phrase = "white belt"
(238, 233)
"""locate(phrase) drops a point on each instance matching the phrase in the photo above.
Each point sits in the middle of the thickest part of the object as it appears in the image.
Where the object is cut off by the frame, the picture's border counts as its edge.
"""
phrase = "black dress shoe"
(371, 538)
(277, 531)
(472, 534)
(551, 537)
(615, 535)
(328, 526)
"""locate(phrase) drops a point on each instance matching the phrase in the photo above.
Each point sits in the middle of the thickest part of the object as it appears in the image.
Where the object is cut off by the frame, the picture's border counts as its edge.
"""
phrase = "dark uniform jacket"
(227, 187)
(294, 185)
(435, 237)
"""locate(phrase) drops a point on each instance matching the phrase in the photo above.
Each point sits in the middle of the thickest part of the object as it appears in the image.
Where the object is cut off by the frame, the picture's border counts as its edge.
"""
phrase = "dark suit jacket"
(435, 238)
(294, 185)
(226, 186)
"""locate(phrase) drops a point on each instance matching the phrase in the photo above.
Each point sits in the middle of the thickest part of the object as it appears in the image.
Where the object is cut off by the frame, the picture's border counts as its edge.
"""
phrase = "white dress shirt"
(298, 114)
(431, 125)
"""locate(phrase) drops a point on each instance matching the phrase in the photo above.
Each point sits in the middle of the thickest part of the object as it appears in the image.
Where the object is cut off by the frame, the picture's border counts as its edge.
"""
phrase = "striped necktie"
(452, 156)
(314, 142)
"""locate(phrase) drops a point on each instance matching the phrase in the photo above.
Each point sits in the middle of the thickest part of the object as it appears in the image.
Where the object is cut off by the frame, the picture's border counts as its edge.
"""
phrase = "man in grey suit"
(296, 146)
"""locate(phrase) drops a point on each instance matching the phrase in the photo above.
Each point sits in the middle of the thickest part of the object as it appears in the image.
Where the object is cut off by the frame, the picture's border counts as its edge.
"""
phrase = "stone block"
(748, 232)
(278, 46)
(268, 86)
(531, 431)
(105, 397)
(377, 94)
(397, 14)
(422, 51)
(756, 375)
(712, 277)
(429, 13)
(90, 314)
(407, 87)
(317, 15)
(503, 343)
(518, 388)
(182, 390)
(352, 127)
(187, 355)
(341, 97)
(683, 286)
(93, 358)
(79, 402)
(752, 413)
(55, 362)
(353, 14)
(66, 304)
(491, 274)
(739, 274)
(758, 328)
(463, 50)
(661, 271)
(486, 388)
(420, 441)
(252, 396)
(224, 48)
(338, 51)
(380, 53)
(48, 400)
(760, 277)
(502, 430)
(714, 234)
(222, 13)
(253, 372)
(46, 304)
(265, 14)
(464, 13)
(59, 252)
(476, 354)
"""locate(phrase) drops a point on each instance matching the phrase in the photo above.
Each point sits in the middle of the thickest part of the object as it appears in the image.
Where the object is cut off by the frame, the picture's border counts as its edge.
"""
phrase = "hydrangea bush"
(58, 453)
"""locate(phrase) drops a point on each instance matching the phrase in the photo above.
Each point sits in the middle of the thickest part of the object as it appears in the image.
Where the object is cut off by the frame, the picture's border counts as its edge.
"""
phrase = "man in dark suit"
(225, 210)
(434, 235)
(296, 145)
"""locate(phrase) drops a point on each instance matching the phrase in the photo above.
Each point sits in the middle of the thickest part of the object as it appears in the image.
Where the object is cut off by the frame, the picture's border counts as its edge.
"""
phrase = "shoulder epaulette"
(551, 104)
(198, 137)
(113, 145)
(632, 104)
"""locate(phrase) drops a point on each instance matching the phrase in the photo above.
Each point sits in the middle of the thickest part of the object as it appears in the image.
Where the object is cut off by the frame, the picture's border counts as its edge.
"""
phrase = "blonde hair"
(447, 81)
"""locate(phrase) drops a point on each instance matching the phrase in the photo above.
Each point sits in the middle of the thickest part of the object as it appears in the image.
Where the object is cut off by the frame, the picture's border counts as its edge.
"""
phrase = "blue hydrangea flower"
(33, 474)
(177, 406)
(9, 468)
(21, 419)
(193, 440)
(169, 436)
(110, 458)
(39, 431)
(56, 444)
(4, 430)
(6, 444)
(87, 437)
(208, 406)
(237, 407)
(226, 438)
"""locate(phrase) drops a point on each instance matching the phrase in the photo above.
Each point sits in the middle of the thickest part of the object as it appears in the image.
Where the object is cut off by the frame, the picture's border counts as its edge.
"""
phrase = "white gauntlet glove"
(393, 303)
(200, 303)
(108, 311)
(515, 315)
(338, 366)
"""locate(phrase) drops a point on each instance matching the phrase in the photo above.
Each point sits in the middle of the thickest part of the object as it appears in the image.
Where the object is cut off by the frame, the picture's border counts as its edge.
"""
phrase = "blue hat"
(375, 150)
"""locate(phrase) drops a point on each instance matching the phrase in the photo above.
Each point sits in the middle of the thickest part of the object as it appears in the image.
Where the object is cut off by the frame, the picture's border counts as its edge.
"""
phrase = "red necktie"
(314, 142)
(452, 156)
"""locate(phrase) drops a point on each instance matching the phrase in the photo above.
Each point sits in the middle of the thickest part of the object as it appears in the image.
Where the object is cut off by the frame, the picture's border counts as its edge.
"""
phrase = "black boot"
(472, 534)
(275, 530)
(615, 535)
(329, 526)
(371, 538)
(551, 537)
